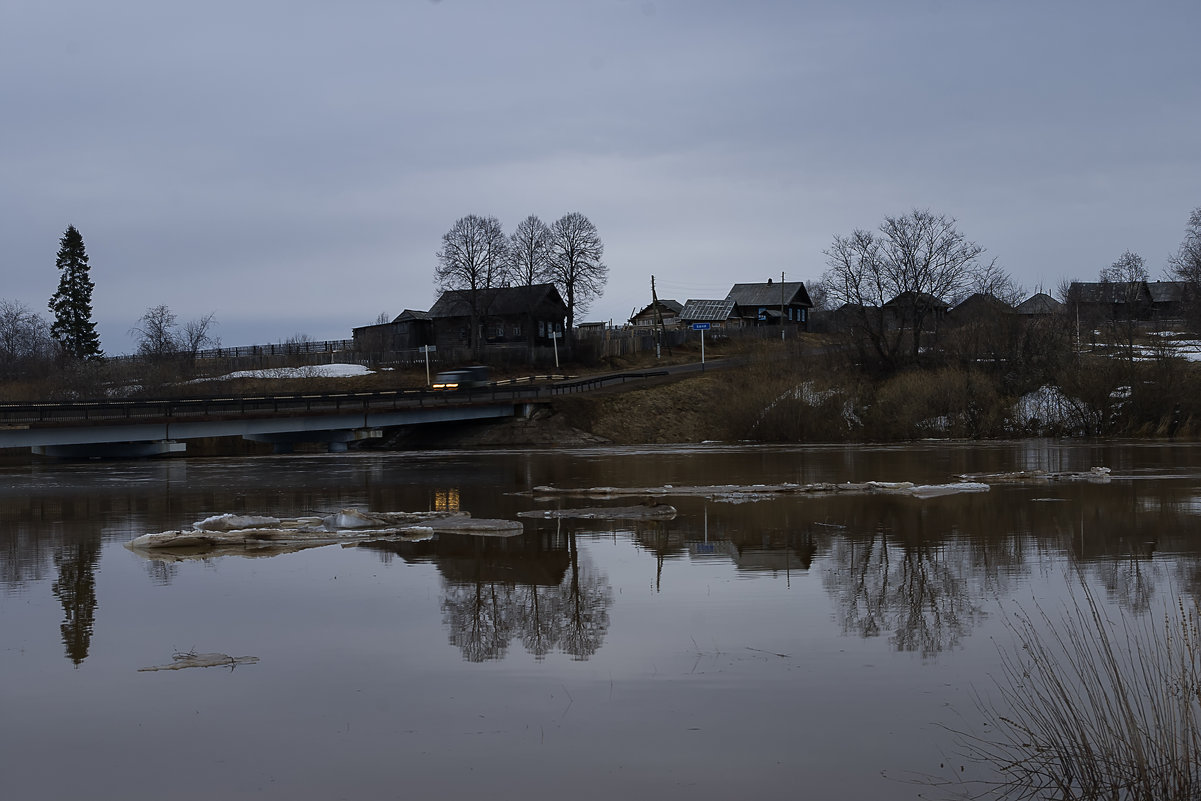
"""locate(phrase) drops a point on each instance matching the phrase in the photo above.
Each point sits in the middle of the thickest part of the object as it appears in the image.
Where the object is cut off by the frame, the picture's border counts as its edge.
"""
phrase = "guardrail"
(205, 407)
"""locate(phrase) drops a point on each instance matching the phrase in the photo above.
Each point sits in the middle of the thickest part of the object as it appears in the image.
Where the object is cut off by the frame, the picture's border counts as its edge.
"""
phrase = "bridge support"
(336, 441)
(110, 450)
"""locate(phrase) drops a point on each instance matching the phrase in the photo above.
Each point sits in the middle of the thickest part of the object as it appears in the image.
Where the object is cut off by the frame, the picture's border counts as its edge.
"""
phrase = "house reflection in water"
(534, 588)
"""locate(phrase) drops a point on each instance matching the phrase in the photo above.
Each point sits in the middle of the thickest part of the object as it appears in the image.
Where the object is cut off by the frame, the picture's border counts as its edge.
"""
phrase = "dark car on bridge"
(462, 378)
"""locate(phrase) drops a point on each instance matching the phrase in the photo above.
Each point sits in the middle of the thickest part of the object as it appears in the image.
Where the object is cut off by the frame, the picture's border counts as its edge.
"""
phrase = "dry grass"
(1093, 708)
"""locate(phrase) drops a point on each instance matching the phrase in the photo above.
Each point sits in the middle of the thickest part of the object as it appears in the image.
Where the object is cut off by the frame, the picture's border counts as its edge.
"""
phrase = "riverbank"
(798, 394)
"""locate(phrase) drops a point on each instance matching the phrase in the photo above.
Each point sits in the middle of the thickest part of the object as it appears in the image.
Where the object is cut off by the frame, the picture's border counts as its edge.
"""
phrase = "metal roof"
(707, 310)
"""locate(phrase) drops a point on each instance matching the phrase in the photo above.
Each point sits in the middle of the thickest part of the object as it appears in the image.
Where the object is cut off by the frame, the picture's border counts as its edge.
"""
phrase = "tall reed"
(1089, 707)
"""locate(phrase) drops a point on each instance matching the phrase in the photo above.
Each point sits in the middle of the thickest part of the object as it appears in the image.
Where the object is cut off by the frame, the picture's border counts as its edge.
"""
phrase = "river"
(796, 646)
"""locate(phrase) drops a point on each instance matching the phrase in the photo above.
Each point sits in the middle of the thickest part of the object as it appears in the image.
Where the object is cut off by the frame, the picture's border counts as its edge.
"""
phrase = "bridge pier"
(337, 441)
(110, 450)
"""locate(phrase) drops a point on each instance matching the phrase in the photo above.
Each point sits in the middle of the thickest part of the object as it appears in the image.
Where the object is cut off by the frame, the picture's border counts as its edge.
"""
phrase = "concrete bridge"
(124, 428)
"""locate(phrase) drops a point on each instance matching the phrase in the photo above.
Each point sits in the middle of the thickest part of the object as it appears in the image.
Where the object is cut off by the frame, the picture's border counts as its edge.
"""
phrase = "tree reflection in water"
(548, 598)
(916, 593)
(75, 589)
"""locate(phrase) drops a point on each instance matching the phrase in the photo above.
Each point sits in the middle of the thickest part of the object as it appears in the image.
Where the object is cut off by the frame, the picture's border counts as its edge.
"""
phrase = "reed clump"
(1092, 708)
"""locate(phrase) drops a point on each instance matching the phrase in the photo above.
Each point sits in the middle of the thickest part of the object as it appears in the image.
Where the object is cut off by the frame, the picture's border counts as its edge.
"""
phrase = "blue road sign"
(700, 326)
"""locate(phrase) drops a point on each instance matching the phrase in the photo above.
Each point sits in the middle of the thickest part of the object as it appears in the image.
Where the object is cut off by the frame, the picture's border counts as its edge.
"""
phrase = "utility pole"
(658, 320)
(781, 305)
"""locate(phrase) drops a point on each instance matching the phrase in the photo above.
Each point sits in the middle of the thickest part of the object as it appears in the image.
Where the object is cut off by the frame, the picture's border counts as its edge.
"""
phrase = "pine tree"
(73, 328)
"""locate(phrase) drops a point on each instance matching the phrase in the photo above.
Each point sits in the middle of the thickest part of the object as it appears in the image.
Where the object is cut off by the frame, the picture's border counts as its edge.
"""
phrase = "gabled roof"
(1040, 303)
(499, 302)
(1167, 291)
(979, 302)
(707, 310)
(411, 314)
(790, 293)
(665, 305)
(911, 299)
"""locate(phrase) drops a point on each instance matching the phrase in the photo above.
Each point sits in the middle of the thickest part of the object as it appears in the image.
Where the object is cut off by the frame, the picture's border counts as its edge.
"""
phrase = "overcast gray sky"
(292, 166)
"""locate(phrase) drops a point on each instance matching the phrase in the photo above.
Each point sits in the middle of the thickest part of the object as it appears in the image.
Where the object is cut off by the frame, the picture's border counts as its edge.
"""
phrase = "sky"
(292, 166)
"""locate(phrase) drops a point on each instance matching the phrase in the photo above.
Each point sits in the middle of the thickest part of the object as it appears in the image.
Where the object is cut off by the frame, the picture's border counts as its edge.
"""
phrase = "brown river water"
(795, 646)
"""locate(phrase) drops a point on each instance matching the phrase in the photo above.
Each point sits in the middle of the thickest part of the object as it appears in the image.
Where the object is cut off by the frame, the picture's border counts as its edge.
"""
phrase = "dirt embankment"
(688, 409)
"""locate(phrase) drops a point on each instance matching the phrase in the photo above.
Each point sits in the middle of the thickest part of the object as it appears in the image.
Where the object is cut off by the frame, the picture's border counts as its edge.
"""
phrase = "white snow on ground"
(1047, 405)
(312, 371)
(1189, 349)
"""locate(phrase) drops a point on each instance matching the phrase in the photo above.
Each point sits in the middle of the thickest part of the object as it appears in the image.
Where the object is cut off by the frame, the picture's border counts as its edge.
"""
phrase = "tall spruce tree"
(73, 328)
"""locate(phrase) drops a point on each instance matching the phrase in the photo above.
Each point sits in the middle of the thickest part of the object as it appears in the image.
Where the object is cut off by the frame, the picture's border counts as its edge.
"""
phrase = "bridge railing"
(513, 390)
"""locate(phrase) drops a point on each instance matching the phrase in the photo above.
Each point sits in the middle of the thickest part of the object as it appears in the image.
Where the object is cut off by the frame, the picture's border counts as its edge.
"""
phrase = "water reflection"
(920, 594)
(916, 574)
(75, 589)
(536, 588)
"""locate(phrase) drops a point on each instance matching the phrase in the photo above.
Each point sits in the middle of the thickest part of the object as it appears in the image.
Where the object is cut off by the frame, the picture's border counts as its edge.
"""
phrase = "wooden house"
(520, 314)
(979, 307)
(408, 330)
(1039, 305)
(783, 303)
(667, 310)
(907, 308)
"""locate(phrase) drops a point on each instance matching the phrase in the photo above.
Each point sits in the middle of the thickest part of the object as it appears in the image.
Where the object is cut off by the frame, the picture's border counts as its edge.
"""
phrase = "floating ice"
(252, 535)
(649, 511)
(232, 522)
(191, 659)
(741, 493)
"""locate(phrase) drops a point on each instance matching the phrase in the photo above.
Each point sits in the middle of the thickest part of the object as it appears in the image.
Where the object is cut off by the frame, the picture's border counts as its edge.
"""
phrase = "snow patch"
(311, 371)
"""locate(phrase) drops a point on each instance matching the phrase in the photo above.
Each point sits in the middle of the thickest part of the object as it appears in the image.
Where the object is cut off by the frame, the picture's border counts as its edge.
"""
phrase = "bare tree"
(919, 259)
(1129, 268)
(530, 252)
(156, 332)
(23, 334)
(1185, 265)
(1124, 287)
(197, 335)
(819, 295)
(579, 273)
(993, 280)
(24, 337)
(473, 259)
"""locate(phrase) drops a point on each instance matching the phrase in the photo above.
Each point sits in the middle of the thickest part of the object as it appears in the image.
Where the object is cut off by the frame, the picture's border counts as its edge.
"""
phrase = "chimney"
(769, 280)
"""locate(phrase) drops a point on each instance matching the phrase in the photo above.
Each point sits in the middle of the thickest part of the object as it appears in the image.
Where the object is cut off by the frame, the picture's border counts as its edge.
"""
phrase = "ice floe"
(1094, 475)
(647, 511)
(253, 535)
(191, 659)
(743, 493)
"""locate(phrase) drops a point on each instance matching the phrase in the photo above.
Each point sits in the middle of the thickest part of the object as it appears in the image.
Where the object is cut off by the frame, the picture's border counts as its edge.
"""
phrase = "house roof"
(790, 293)
(665, 305)
(707, 310)
(501, 301)
(1108, 291)
(981, 302)
(1167, 291)
(1040, 303)
(917, 299)
(411, 314)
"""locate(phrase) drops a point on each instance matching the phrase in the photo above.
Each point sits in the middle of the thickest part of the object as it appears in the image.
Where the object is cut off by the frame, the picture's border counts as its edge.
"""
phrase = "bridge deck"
(113, 421)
